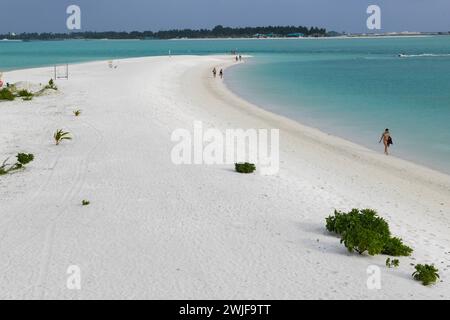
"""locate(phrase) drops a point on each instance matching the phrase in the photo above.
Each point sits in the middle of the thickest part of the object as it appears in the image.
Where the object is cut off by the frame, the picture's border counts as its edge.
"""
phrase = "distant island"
(216, 32)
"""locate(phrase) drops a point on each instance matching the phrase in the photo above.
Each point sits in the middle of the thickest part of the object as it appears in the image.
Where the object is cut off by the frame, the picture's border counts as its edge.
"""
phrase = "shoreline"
(155, 230)
(407, 157)
(248, 103)
(327, 138)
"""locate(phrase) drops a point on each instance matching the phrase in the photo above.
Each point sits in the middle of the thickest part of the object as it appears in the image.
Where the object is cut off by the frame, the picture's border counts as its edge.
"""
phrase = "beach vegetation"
(245, 168)
(51, 85)
(392, 263)
(6, 94)
(85, 203)
(216, 32)
(25, 95)
(361, 239)
(395, 247)
(364, 231)
(427, 274)
(22, 160)
(77, 113)
(61, 135)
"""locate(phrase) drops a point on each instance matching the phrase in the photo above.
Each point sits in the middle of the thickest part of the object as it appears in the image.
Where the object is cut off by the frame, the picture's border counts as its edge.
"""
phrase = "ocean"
(352, 88)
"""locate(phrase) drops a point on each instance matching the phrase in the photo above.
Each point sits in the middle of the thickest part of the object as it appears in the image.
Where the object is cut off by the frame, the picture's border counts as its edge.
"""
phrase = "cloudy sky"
(128, 15)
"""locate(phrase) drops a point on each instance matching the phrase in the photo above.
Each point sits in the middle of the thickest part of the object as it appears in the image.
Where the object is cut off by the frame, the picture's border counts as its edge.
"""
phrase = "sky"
(129, 15)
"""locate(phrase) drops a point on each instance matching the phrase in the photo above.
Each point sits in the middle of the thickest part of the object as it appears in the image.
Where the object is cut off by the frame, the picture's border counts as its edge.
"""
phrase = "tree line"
(217, 32)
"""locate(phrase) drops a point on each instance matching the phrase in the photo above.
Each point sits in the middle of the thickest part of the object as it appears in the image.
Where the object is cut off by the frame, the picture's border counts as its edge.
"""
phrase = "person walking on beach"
(221, 73)
(387, 140)
(215, 72)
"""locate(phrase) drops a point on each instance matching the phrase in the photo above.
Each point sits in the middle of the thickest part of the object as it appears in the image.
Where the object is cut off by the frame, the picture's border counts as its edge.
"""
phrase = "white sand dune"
(159, 231)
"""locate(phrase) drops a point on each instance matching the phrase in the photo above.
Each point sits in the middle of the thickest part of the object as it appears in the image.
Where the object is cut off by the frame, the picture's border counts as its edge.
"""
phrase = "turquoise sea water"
(354, 88)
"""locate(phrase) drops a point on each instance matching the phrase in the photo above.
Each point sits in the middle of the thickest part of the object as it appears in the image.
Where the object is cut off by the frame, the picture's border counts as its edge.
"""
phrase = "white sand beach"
(155, 230)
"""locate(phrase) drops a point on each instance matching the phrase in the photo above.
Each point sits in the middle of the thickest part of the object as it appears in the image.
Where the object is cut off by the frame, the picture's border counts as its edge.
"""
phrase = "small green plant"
(427, 274)
(85, 202)
(61, 135)
(245, 167)
(77, 113)
(364, 230)
(24, 93)
(25, 158)
(6, 94)
(22, 160)
(3, 169)
(394, 263)
(51, 85)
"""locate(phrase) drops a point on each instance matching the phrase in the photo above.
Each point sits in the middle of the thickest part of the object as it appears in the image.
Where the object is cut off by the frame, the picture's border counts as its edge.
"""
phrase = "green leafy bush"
(24, 93)
(61, 135)
(77, 113)
(25, 158)
(361, 239)
(427, 274)
(22, 160)
(51, 85)
(245, 167)
(6, 94)
(367, 218)
(395, 263)
(85, 202)
(363, 230)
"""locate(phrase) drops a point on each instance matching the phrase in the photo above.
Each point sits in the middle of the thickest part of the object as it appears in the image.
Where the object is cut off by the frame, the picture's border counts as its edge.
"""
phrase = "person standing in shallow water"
(387, 141)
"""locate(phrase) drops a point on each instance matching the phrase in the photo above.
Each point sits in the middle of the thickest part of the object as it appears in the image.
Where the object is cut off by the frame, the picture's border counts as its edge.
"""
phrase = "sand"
(155, 230)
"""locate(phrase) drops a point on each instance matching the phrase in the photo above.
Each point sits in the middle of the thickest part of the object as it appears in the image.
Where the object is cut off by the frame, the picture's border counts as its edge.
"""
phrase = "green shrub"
(25, 158)
(395, 247)
(427, 274)
(77, 113)
(360, 239)
(6, 94)
(367, 218)
(51, 85)
(395, 263)
(22, 160)
(24, 93)
(85, 202)
(245, 167)
(60, 135)
(363, 230)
